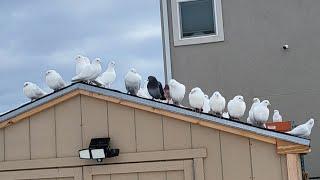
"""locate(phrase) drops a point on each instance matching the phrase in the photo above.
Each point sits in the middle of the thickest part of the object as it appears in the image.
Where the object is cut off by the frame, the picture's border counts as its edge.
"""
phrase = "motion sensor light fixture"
(99, 149)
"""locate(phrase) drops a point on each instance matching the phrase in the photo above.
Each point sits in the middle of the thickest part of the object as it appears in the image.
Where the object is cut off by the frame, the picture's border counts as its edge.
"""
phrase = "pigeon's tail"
(97, 82)
(75, 79)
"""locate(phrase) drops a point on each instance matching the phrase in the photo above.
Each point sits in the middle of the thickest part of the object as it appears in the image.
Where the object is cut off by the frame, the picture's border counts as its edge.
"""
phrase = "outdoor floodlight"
(99, 149)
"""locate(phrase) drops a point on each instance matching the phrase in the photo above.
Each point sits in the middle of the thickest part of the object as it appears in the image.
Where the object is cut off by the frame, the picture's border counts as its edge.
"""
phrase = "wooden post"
(294, 167)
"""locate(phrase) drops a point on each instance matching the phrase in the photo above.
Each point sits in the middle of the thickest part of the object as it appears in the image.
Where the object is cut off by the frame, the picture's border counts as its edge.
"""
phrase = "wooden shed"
(157, 141)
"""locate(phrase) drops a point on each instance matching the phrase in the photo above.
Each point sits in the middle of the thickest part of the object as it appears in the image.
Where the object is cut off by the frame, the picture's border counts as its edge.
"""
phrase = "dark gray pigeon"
(155, 88)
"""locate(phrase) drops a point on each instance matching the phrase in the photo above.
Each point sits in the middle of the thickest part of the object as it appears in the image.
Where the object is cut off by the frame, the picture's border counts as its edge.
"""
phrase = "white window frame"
(176, 21)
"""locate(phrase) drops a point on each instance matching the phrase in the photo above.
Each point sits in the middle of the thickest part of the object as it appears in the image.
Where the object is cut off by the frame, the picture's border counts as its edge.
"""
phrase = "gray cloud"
(41, 35)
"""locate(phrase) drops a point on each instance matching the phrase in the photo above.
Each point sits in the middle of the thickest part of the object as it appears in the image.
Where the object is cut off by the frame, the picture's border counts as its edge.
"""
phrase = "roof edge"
(185, 114)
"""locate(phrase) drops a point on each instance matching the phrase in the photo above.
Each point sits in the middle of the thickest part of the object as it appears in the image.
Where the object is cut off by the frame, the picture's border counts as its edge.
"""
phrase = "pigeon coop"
(42, 139)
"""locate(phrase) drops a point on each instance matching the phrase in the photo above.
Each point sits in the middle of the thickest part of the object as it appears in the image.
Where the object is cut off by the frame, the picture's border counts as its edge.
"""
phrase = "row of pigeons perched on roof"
(172, 93)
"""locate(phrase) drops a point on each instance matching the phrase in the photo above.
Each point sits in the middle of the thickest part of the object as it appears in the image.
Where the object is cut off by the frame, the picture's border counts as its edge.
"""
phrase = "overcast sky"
(36, 36)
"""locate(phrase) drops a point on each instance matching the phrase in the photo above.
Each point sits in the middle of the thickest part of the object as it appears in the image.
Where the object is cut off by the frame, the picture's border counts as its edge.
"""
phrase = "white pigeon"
(206, 104)
(255, 102)
(108, 77)
(143, 92)
(217, 103)
(177, 91)
(54, 80)
(132, 81)
(236, 107)
(226, 115)
(32, 91)
(196, 99)
(81, 62)
(303, 130)
(261, 113)
(276, 116)
(90, 72)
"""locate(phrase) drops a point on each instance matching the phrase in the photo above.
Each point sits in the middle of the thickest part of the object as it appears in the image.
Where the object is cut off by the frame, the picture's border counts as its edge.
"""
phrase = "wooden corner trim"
(293, 167)
(284, 147)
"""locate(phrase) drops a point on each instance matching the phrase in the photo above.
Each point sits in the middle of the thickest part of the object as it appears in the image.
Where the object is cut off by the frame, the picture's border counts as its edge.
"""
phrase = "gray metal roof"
(155, 104)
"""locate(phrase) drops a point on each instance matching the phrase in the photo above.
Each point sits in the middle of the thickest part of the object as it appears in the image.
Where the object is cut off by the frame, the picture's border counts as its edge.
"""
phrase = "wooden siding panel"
(17, 141)
(94, 119)
(149, 131)
(68, 128)
(42, 135)
(130, 176)
(235, 157)
(175, 175)
(122, 127)
(1, 145)
(101, 177)
(266, 162)
(152, 176)
(284, 167)
(177, 134)
(209, 138)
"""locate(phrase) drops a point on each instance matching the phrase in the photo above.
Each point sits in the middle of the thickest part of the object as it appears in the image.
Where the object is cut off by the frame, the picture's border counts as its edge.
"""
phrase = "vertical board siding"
(177, 134)
(209, 138)
(94, 119)
(122, 127)
(175, 175)
(266, 163)
(148, 131)
(68, 127)
(152, 176)
(42, 135)
(1, 145)
(101, 177)
(131, 176)
(17, 141)
(284, 169)
(235, 157)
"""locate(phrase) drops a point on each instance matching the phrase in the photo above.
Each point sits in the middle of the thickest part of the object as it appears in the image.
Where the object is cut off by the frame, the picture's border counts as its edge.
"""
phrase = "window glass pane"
(197, 18)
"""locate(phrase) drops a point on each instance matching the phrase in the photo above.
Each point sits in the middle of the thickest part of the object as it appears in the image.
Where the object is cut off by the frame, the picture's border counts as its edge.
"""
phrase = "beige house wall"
(62, 130)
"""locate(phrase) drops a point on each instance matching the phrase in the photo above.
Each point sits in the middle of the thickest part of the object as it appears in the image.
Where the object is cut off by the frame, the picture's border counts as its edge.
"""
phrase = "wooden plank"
(68, 128)
(209, 138)
(94, 119)
(284, 147)
(235, 157)
(122, 158)
(42, 135)
(17, 141)
(188, 169)
(177, 134)
(264, 156)
(122, 127)
(198, 169)
(138, 167)
(293, 167)
(149, 131)
(38, 109)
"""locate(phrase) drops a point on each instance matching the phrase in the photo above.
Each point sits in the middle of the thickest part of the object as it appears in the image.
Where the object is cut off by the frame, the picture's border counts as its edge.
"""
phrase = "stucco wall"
(60, 131)
(251, 60)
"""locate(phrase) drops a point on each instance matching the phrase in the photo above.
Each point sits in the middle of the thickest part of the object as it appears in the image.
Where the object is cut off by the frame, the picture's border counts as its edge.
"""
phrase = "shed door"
(164, 170)
(44, 174)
